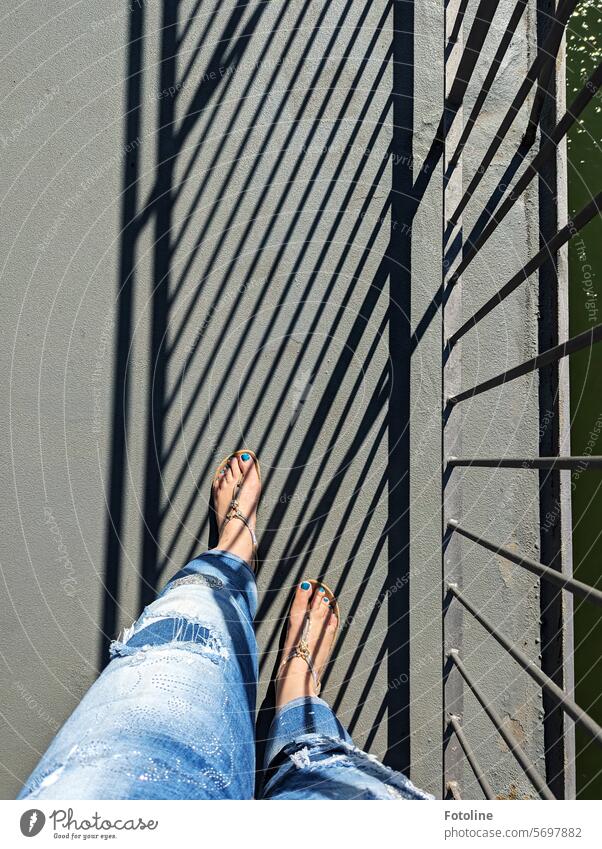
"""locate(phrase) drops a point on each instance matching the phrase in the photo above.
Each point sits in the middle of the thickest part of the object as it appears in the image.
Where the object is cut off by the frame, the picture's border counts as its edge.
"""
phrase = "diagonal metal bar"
(575, 343)
(573, 226)
(472, 50)
(545, 572)
(530, 667)
(547, 53)
(530, 771)
(590, 462)
(585, 96)
(458, 21)
(470, 756)
(488, 82)
(543, 83)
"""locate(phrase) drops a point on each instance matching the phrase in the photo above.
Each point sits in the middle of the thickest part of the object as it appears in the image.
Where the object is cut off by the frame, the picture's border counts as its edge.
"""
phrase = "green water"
(584, 51)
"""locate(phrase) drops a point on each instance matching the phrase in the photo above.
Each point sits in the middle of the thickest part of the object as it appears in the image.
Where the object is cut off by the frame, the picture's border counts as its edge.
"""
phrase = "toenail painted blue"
(321, 590)
(305, 585)
(245, 457)
(326, 600)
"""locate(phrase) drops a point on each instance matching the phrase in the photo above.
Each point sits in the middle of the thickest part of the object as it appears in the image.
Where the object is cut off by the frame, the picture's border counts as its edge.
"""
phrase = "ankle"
(235, 538)
(295, 682)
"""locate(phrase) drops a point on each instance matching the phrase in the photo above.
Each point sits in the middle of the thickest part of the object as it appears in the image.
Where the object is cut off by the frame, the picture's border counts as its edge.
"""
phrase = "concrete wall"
(510, 421)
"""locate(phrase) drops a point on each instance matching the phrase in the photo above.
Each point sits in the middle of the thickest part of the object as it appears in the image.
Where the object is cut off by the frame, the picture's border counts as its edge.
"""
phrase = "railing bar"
(488, 81)
(453, 36)
(567, 704)
(471, 51)
(476, 767)
(537, 105)
(545, 572)
(542, 89)
(585, 463)
(584, 97)
(575, 343)
(530, 771)
(572, 227)
(547, 53)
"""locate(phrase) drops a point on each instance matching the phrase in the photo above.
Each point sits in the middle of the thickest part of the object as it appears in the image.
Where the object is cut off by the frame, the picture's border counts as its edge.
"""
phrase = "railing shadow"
(320, 233)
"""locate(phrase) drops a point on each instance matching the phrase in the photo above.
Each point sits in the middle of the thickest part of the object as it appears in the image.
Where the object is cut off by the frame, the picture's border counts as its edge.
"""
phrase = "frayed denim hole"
(170, 632)
(315, 751)
(198, 578)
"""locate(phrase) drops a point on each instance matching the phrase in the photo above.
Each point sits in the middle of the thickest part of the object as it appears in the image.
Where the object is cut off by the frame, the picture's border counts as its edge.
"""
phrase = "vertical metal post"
(400, 265)
(554, 438)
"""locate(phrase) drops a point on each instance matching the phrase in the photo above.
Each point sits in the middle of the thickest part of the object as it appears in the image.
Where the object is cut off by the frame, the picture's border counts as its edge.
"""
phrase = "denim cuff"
(299, 717)
(218, 569)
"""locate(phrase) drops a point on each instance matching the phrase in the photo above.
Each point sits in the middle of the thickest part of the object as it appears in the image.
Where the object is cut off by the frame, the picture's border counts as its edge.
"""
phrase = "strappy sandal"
(302, 649)
(234, 511)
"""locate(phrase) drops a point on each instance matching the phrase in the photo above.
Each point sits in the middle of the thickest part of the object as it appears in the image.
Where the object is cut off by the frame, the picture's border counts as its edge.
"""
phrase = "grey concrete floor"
(197, 213)
(209, 231)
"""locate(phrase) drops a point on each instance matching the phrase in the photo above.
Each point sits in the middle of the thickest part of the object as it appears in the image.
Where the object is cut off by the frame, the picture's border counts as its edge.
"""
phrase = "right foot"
(234, 535)
(294, 677)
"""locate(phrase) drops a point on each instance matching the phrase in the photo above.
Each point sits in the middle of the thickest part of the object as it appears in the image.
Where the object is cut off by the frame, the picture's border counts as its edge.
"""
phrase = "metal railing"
(554, 568)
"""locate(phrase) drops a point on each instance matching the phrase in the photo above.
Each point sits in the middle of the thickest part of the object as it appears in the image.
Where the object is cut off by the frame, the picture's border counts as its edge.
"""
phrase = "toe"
(320, 616)
(235, 465)
(247, 466)
(219, 477)
(245, 461)
(297, 614)
(320, 604)
(300, 601)
(324, 638)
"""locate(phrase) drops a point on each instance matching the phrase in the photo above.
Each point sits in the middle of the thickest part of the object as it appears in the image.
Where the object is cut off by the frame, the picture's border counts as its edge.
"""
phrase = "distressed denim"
(173, 714)
(310, 755)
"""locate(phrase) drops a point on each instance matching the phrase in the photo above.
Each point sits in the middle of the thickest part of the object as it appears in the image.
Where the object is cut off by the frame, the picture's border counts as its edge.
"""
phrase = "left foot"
(294, 677)
(234, 535)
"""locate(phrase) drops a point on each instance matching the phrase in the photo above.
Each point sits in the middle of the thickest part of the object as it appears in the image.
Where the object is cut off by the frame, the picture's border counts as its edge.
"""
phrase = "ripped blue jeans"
(173, 714)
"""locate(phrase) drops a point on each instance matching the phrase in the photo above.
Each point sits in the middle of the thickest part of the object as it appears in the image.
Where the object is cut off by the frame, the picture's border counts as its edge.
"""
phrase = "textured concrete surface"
(246, 148)
(206, 245)
(500, 504)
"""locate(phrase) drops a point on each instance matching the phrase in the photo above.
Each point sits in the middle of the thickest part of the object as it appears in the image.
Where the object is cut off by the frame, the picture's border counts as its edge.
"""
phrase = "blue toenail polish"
(327, 600)
(244, 457)
(321, 590)
(305, 585)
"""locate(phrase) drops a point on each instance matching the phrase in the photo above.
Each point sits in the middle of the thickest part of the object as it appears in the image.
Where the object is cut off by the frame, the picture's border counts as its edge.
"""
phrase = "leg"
(173, 714)
(310, 755)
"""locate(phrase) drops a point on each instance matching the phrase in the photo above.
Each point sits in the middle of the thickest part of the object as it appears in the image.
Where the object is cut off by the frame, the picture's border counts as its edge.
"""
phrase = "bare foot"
(294, 678)
(234, 535)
